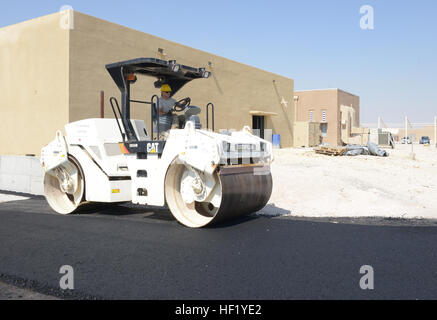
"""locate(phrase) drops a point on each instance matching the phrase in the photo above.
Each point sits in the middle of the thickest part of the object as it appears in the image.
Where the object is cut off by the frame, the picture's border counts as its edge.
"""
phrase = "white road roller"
(202, 176)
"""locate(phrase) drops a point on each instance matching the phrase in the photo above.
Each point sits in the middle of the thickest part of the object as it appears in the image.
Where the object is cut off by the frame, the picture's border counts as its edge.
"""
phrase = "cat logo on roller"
(152, 147)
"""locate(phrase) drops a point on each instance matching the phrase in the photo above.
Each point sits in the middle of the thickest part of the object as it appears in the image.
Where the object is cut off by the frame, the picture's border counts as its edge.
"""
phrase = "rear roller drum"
(64, 187)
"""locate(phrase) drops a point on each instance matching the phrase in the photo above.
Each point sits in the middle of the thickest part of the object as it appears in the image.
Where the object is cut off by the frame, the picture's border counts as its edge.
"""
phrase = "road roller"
(203, 177)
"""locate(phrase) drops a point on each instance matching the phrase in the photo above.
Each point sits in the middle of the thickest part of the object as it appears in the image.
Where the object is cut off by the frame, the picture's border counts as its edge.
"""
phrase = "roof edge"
(327, 89)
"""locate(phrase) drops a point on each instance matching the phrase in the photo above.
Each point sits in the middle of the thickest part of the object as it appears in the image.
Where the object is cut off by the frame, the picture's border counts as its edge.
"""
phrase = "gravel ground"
(306, 184)
(10, 292)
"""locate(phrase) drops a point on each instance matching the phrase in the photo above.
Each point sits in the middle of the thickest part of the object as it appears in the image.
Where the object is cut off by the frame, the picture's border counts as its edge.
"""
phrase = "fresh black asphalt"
(126, 252)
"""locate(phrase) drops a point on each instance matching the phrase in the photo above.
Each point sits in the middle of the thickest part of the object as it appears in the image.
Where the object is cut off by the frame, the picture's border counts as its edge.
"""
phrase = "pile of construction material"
(352, 150)
(331, 151)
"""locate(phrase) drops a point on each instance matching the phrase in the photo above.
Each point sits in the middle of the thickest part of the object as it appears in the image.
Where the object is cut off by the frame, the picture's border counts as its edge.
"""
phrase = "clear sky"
(318, 43)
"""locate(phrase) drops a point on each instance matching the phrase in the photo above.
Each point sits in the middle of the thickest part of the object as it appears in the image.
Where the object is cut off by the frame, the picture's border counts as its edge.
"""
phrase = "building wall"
(350, 100)
(235, 88)
(351, 133)
(418, 133)
(330, 100)
(318, 100)
(34, 84)
(306, 134)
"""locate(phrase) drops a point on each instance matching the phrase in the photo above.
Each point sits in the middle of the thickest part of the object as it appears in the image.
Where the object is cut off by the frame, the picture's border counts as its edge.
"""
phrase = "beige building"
(416, 133)
(53, 69)
(336, 112)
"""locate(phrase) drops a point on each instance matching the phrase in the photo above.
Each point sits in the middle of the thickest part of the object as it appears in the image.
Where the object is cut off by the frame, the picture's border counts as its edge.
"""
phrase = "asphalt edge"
(22, 194)
(45, 289)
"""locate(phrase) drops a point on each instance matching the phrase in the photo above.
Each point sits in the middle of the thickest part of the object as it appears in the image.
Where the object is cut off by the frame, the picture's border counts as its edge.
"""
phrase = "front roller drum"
(242, 190)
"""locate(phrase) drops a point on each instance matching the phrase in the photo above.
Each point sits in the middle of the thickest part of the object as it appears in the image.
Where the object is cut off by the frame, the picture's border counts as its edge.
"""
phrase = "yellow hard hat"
(165, 88)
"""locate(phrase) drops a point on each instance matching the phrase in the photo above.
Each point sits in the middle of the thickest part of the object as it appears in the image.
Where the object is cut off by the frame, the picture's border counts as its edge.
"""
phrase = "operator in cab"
(165, 108)
(166, 112)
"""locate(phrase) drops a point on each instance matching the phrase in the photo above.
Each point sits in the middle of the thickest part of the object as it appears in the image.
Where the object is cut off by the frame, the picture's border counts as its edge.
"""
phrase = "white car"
(406, 140)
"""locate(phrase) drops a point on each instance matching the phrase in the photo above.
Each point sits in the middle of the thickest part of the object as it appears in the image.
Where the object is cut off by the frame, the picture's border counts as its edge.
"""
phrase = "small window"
(311, 115)
(324, 116)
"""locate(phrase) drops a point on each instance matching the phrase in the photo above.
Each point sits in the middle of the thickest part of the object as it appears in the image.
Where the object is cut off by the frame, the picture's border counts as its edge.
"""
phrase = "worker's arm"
(161, 112)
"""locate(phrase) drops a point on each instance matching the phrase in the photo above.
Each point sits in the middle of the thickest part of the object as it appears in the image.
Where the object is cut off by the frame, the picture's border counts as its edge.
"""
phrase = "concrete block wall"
(21, 174)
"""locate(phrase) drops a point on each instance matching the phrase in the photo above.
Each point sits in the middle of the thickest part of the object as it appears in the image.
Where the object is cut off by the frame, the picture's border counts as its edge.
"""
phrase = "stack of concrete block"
(21, 174)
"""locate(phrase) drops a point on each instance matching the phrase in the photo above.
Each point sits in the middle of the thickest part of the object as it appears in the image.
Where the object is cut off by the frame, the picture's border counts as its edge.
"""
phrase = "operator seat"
(190, 114)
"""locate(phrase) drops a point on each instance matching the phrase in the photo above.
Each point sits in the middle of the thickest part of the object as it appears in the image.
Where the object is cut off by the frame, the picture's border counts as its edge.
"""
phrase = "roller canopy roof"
(169, 72)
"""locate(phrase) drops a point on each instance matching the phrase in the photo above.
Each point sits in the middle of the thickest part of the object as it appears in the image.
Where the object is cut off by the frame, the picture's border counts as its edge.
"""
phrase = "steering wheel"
(182, 104)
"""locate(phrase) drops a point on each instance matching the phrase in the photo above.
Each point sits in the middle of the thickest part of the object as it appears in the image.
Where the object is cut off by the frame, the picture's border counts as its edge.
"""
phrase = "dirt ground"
(306, 184)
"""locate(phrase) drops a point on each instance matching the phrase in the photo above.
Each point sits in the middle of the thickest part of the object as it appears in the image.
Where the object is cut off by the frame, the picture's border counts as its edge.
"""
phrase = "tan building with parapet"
(417, 133)
(336, 113)
(53, 70)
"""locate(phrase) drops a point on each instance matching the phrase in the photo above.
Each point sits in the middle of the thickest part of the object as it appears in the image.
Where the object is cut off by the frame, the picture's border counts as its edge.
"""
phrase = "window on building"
(324, 116)
(311, 115)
